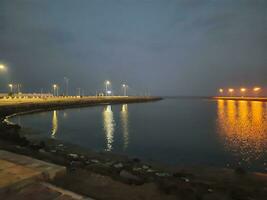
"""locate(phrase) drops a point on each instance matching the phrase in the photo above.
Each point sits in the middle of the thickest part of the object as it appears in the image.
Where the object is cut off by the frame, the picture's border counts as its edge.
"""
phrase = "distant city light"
(231, 90)
(243, 89)
(256, 89)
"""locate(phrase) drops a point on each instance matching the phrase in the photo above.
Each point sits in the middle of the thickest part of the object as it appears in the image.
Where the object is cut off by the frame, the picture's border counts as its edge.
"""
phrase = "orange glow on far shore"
(243, 89)
(231, 90)
(256, 89)
(244, 92)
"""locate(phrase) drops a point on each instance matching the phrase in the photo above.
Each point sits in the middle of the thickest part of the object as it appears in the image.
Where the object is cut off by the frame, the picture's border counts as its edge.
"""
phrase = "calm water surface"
(221, 133)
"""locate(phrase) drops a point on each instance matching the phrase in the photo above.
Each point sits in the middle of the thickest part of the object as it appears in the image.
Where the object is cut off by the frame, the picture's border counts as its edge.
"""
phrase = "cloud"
(209, 42)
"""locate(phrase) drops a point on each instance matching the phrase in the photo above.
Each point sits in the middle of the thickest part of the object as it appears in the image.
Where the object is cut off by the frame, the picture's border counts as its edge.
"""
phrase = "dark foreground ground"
(103, 175)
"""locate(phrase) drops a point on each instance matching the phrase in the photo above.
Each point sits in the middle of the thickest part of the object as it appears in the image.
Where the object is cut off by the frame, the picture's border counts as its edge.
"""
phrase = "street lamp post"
(2, 68)
(19, 88)
(124, 86)
(55, 89)
(67, 86)
(11, 87)
(221, 90)
(256, 90)
(231, 90)
(243, 90)
(107, 83)
(79, 92)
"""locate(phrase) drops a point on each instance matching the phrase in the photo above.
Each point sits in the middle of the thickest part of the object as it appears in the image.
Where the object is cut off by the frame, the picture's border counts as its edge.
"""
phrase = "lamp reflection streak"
(54, 124)
(109, 125)
(242, 127)
(125, 127)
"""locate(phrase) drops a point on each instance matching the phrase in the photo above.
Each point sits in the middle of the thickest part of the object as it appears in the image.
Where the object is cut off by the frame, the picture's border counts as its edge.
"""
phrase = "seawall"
(13, 106)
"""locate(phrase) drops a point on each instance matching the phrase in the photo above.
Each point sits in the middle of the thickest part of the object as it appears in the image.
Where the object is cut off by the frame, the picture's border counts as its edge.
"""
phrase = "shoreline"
(90, 168)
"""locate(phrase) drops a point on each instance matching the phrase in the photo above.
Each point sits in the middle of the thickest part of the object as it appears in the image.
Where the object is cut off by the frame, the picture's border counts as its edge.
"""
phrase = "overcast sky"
(169, 47)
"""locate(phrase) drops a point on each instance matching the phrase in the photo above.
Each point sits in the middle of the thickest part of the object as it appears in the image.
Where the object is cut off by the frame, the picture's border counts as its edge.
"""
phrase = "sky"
(164, 47)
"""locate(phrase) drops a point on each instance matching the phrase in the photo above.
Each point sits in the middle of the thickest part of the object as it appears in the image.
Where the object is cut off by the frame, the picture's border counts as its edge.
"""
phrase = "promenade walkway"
(24, 178)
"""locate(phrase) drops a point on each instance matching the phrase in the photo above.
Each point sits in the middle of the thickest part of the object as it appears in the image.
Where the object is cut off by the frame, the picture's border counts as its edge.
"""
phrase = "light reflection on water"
(125, 127)
(54, 124)
(109, 125)
(217, 133)
(243, 128)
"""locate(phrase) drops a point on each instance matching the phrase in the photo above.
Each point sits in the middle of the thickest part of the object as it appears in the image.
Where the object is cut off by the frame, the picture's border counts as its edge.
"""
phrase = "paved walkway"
(23, 178)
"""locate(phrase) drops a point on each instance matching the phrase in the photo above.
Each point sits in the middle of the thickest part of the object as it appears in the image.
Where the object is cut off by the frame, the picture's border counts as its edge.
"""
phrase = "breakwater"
(13, 106)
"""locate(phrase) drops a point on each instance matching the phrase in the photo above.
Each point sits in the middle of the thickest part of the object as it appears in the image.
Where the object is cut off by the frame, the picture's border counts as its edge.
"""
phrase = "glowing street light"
(124, 86)
(55, 88)
(243, 89)
(231, 90)
(107, 83)
(256, 89)
(109, 92)
(11, 87)
(221, 90)
(2, 67)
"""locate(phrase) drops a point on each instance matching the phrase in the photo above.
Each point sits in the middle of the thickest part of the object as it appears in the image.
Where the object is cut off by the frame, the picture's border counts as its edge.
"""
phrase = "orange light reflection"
(243, 128)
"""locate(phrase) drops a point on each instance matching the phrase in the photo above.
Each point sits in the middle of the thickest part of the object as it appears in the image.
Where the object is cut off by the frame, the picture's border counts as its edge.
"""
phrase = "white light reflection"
(125, 127)
(54, 124)
(109, 125)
